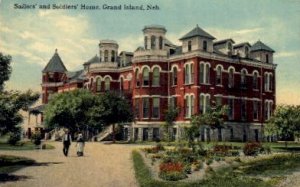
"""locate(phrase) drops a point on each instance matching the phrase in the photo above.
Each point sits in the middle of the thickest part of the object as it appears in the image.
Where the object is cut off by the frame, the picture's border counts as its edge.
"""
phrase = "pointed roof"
(95, 59)
(55, 64)
(259, 46)
(197, 31)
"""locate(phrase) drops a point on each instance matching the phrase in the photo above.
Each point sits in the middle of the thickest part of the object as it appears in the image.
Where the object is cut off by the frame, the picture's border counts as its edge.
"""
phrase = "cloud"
(284, 54)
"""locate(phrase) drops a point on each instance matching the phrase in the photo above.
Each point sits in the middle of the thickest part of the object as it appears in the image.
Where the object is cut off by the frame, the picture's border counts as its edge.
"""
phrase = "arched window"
(266, 81)
(113, 56)
(243, 78)
(156, 76)
(146, 42)
(187, 74)
(101, 56)
(189, 105)
(255, 80)
(145, 77)
(270, 82)
(137, 78)
(152, 42)
(219, 76)
(98, 84)
(121, 84)
(207, 73)
(160, 42)
(204, 103)
(174, 76)
(201, 104)
(231, 78)
(189, 45)
(107, 83)
(267, 58)
(106, 56)
(202, 73)
(204, 45)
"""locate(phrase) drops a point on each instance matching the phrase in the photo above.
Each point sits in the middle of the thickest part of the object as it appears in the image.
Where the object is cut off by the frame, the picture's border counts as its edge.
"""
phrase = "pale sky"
(31, 36)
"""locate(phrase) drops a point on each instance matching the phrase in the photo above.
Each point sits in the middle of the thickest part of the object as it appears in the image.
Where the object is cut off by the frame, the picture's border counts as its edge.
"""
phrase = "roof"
(106, 41)
(259, 46)
(223, 41)
(241, 45)
(140, 48)
(75, 76)
(95, 59)
(126, 53)
(169, 43)
(154, 27)
(197, 31)
(178, 50)
(55, 64)
(37, 109)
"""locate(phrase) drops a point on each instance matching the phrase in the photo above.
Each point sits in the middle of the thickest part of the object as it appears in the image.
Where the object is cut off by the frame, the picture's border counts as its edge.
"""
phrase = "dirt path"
(103, 165)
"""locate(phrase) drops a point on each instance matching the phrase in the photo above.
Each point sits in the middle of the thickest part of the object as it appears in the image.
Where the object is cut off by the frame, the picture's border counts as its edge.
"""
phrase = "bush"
(171, 166)
(196, 166)
(187, 168)
(14, 138)
(209, 161)
(172, 176)
(252, 148)
(36, 138)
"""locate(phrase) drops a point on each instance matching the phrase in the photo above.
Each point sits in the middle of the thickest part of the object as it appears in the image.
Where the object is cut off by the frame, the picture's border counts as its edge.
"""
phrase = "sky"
(31, 36)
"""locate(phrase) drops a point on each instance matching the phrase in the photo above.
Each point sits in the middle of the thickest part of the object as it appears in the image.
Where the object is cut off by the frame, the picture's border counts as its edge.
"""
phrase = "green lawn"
(247, 174)
(21, 146)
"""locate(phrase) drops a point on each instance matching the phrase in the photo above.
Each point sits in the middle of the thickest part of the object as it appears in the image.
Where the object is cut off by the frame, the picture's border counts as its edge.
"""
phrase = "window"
(101, 53)
(160, 42)
(243, 79)
(192, 101)
(155, 109)
(107, 83)
(219, 76)
(174, 76)
(268, 109)
(218, 101)
(255, 110)
(106, 56)
(192, 73)
(229, 47)
(146, 42)
(156, 76)
(152, 42)
(246, 52)
(230, 109)
(137, 80)
(267, 58)
(137, 108)
(204, 73)
(98, 84)
(243, 110)
(189, 46)
(204, 45)
(145, 107)
(255, 80)
(91, 83)
(173, 102)
(145, 77)
(189, 105)
(187, 74)
(113, 56)
(121, 84)
(231, 78)
(204, 103)
(268, 80)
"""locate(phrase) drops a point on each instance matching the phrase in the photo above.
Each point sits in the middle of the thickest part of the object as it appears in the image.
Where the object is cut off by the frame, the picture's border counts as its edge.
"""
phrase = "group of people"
(67, 140)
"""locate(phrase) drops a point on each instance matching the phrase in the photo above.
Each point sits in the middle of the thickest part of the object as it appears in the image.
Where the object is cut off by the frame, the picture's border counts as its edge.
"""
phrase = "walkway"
(103, 165)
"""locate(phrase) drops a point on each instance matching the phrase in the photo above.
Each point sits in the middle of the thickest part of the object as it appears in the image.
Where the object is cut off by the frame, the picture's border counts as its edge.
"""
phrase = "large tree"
(11, 102)
(285, 122)
(81, 110)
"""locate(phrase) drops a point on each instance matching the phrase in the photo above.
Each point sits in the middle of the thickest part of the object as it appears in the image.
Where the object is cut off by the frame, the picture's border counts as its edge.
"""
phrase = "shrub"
(221, 150)
(13, 138)
(151, 150)
(160, 147)
(172, 176)
(172, 171)
(36, 138)
(266, 149)
(209, 161)
(234, 153)
(252, 148)
(196, 166)
(187, 168)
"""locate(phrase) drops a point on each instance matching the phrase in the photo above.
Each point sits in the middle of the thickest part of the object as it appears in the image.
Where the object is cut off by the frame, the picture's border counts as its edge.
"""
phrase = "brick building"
(199, 73)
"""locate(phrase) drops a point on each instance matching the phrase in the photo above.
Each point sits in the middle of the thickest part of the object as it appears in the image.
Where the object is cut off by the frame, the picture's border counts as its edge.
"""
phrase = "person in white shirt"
(67, 139)
(80, 144)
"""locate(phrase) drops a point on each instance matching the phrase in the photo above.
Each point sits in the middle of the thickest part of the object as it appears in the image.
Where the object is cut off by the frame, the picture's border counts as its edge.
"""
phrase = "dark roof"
(223, 41)
(75, 76)
(259, 46)
(95, 59)
(37, 109)
(169, 43)
(178, 50)
(241, 45)
(55, 64)
(197, 31)
(127, 53)
(140, 48)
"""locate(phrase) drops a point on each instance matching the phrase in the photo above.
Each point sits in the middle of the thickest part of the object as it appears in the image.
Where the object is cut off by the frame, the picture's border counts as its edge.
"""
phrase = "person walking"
(80, 144)
(67, 139)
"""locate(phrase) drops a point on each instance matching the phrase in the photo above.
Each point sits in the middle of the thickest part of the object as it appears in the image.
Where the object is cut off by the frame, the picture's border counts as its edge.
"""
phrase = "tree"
(82, 110)
(11, 102)
(170, 116)
(5, 69)
(75, 110)
(285, 122)
(214, 118)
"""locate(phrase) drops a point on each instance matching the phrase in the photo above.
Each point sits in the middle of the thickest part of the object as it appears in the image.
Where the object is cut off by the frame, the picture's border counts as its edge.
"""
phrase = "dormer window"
(160, 42)
(189, 46)
(204, 45)
(112, 55)
(146, 42)
(152, 42)
(106, 56)
(246, 52)
(229, 48)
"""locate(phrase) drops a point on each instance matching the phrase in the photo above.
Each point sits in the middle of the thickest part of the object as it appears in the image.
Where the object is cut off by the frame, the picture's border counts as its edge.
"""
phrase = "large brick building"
(199, 73)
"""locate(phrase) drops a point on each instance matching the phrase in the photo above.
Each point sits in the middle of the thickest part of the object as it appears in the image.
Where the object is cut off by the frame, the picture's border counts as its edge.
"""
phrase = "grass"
(248, 174)
(22, 146)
